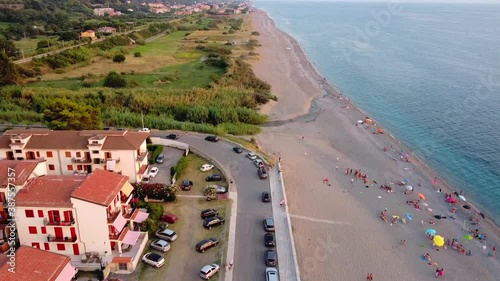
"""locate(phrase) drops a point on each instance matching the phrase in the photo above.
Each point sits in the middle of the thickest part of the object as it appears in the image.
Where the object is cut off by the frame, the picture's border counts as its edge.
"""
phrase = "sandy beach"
(337, 227)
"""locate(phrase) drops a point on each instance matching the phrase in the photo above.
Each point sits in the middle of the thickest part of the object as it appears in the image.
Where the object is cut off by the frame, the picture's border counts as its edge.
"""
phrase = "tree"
(8, 71)
(119, 58)
(114, 80)
(8, 47)
(64, 114)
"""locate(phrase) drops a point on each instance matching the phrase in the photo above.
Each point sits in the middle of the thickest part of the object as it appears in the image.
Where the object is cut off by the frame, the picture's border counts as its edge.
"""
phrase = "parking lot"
(172, 156)
(194, 174)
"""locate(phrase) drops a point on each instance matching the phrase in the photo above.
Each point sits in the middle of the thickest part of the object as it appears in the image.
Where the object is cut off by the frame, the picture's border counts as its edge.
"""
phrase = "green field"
(163, 46)
(4, 25)
(29, 45)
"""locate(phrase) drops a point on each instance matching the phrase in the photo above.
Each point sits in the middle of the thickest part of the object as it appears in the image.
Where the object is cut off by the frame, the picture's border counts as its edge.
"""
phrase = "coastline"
(329, 96)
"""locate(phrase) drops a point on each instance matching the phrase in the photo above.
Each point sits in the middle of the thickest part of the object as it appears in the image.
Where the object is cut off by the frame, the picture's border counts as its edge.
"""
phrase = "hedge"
(156, 150)
(179, 169)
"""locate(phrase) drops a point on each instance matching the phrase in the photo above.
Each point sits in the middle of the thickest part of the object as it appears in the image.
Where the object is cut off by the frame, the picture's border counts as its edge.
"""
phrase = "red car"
(170, 218)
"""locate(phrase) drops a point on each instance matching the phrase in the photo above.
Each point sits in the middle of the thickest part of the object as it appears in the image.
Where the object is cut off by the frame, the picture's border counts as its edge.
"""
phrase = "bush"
(179, 169)
(156, 150)
(255, 33)
(137, 54)
(114, 80)
(119, 58)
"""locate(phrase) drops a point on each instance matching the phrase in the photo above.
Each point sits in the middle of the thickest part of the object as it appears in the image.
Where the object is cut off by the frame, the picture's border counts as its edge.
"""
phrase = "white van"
(272, 274)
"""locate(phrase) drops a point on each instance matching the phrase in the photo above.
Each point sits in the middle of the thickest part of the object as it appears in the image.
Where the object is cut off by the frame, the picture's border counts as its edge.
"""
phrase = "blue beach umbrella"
(408, 216)
(430, 231)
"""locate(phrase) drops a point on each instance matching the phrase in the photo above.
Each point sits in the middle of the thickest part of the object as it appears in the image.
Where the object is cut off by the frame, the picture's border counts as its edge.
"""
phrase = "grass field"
(164, 46)
(4, 25)
(29, 45)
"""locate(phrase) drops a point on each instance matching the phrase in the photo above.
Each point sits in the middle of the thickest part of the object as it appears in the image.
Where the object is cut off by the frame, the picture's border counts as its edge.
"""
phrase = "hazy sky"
(421, 1)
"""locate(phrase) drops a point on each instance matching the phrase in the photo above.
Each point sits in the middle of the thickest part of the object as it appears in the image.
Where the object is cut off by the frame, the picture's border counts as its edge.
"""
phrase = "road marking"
(319, 220)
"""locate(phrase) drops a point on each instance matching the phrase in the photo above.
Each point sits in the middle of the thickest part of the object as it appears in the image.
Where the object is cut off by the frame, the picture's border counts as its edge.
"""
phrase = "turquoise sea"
(430, 73)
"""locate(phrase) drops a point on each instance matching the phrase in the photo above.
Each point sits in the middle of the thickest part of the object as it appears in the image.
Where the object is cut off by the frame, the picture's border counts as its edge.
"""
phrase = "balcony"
(112, 217)
(142, 156)
(81, 160)
(117, 160)
(48, 222)
(51, 238)
(99, 161)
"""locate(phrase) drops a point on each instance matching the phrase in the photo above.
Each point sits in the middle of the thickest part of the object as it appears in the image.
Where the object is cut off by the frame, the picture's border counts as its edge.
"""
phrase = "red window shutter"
(32, 229)
(46, 246)
(73, 233)
(76, 249)
(43, 230)
(29, 213)
(35, 245)
(61, 247)
(40, 213)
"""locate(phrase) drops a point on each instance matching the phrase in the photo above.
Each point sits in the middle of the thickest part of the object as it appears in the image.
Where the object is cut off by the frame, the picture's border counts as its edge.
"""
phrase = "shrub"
(119, 58)
(181, 166)
(255, 33)
(137, 54)
(156, 150)
(114, 80)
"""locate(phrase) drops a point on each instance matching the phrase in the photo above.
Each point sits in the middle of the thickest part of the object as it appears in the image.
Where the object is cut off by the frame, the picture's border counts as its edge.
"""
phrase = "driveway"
(249, 248)
(172, 156)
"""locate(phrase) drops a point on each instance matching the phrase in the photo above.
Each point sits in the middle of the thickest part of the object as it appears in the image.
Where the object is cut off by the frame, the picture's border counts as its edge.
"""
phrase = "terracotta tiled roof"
(47, 139)
(34, 264)
(100, 187)
(49, 191)
(21, 168)
(121, 260)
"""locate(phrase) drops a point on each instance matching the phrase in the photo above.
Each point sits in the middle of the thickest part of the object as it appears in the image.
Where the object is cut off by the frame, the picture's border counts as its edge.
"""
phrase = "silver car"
(160, 245)
(208, 271)
(167, 234)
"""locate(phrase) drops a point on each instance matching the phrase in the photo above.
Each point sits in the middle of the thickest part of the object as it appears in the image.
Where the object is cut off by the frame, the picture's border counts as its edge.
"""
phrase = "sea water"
(430, 73)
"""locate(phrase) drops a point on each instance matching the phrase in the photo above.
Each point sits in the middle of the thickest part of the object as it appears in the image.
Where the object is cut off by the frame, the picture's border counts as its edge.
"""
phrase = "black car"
(187, 185)
(262, 173)
(271, 258)
(268, 224)
(214, 177)
(237, 149)
(269, 240)
(172, 137)
(266, 197)
(206, 244)
(208, 213)
(213, 221)
(212, 138)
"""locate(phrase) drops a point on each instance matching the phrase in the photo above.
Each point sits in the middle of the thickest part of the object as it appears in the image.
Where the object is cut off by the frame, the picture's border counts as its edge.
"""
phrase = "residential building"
(101, 12)
(14, 175)
(88, 34)
(106, 30)
(80, 152)
(35, 264)
(12, 6)
(88, 218)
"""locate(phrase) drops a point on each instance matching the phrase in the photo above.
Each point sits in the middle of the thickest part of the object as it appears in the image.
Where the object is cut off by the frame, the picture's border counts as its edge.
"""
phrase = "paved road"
(249, 248)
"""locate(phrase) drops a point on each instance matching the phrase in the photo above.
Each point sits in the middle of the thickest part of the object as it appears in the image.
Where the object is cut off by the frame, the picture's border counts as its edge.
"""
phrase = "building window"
(95, 151)
(61, 247)
(17, 141)
(52, 167)
(19, 151)
(40, 213)
(35, 245)
(46, 246)
(38, 154)
(43, 229)
(122, 266)
(78, 154)
(79, 167)
(29, 213)
(68, 154)
(70, 167)
(49, 154)
(32, 229)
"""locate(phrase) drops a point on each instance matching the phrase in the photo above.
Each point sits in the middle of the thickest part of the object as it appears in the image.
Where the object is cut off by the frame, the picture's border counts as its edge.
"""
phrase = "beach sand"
(337, 229)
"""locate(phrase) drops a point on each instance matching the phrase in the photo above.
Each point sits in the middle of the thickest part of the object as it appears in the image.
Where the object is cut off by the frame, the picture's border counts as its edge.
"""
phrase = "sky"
(402, 1)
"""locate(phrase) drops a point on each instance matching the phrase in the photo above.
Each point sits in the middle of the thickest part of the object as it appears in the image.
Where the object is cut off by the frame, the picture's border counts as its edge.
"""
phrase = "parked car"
(170, 218)
(153, 172)
(172, 137)
(206, 244)
(237, 149)
(271, 258)
(208, 271)
(160, 245)
(146, 179)
(262, 173)
(212, 138)
(145, 130)
(214, 177)
(208, 213)
(269, 239)
(218, 189)
(258, 163)
(153, 259)
(167, 234)
(251, 156)
(206, 167)
(266, 197)
(186, 185)
(122, 129)
(160, 159)
(269, 224)
(213, 221)
(272, 274)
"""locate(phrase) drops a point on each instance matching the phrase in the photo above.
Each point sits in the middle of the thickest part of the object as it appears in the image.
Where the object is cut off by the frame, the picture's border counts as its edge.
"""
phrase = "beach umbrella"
(462, 197)
(409, 187)
(408, 216)
(421, 196)
(467, 237)
(425, 204)
(430, 231)
(438, 240)
(451, 200)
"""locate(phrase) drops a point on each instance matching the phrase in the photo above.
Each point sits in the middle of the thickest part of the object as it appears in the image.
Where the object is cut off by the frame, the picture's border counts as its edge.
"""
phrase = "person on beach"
(369, 276)
(428, 257)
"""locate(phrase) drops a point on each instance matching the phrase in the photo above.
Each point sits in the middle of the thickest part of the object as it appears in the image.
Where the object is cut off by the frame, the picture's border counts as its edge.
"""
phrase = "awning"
(119, 222)
(127, 189)
(110, 165)
(139, 216)
(143, 170)
(129, 236)
(121, 260)
(68, 272)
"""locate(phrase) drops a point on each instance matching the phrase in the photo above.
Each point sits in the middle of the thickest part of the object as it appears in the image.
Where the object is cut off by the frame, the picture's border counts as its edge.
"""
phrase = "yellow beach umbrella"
(438, 240)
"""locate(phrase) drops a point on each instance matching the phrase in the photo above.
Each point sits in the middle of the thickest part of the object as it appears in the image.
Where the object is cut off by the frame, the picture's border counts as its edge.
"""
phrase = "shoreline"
(317, 101)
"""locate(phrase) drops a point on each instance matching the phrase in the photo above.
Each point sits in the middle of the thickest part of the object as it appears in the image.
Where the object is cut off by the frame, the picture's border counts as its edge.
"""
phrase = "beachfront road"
(249, 245)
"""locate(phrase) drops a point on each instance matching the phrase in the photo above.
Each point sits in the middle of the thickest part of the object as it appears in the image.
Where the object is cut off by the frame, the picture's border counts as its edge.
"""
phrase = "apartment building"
(36, 264)
(88, 218)
(80, 152)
